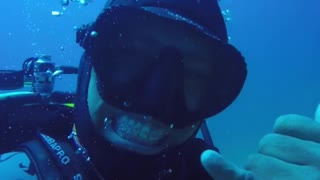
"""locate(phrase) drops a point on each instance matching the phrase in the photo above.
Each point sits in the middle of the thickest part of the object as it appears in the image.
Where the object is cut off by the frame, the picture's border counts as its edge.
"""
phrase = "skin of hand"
(291, 151)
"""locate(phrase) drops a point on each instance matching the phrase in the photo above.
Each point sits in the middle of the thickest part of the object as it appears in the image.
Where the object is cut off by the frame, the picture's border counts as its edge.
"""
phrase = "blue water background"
(280, 40)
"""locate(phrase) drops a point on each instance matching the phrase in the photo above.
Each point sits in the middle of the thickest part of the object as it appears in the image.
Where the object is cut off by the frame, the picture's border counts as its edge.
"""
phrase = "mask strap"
(206, 134)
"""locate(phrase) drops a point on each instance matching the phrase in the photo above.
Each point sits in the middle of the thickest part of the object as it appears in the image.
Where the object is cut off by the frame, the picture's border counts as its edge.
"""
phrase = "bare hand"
(292, 151)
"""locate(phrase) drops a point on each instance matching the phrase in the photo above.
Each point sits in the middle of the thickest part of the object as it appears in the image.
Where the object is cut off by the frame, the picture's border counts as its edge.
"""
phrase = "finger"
(298, 126)
(220, 169)
(317, 114)
(270, 168)
(290, 149)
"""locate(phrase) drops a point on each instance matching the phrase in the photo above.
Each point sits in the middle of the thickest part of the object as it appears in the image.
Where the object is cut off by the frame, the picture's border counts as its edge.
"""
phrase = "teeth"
(145, 131)
(107, 120)
(135, 130)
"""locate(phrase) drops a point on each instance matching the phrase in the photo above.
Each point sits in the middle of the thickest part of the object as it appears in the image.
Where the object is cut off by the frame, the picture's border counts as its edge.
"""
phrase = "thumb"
(221, 169)
(317, 114)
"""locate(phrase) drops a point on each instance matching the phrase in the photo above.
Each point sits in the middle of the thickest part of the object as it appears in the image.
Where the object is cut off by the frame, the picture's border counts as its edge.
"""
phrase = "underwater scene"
(239, 69)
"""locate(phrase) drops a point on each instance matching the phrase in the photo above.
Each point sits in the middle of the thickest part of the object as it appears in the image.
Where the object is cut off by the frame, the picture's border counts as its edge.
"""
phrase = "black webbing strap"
(70, 163)
(206, 134)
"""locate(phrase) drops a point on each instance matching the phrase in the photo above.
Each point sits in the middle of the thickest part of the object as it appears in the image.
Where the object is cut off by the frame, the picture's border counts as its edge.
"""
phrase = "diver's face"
(139, 133)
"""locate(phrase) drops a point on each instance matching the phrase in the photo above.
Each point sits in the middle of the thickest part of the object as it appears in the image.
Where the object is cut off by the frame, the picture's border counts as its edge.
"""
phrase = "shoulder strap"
(65, 157)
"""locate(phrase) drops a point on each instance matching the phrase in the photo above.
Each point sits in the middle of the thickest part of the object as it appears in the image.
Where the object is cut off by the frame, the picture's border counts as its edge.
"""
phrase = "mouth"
(138, 129)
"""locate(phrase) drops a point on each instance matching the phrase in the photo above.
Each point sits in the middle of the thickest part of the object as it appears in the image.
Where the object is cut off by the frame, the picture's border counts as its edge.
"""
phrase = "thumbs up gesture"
(291, 151)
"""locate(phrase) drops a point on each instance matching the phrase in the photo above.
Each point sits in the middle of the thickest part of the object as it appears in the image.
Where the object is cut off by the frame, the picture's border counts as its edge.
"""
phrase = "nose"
(163, 84)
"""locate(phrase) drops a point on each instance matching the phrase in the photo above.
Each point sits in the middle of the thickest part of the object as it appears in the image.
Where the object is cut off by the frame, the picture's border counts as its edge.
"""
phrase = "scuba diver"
(151, 73)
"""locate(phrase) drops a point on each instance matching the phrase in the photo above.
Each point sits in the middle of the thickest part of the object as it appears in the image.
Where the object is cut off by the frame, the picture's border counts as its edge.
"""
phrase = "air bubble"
(94, 34)
(148, 118)
(56, 13)
(83, 2)
(126, 104)
(107, 120)
(227, 15)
